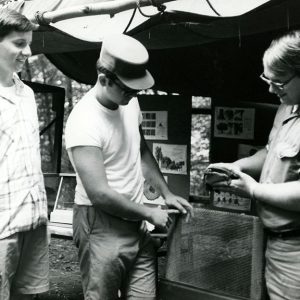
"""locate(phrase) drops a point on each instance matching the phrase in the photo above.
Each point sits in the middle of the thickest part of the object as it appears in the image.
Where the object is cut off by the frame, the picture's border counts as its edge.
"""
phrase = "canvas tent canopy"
(192, 49)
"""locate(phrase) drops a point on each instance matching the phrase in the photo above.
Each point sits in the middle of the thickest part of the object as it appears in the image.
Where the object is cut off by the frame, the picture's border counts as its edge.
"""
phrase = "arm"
(153, 175)
(282, 195)
(89, 165)
(251, 165)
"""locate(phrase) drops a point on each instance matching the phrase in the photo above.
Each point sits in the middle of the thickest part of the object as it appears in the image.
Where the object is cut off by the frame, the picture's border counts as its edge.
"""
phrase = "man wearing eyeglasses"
(107, 149)
(277, 193)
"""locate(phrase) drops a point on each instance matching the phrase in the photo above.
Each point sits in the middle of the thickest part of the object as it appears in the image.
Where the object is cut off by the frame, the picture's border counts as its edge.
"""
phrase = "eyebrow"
(22, 39)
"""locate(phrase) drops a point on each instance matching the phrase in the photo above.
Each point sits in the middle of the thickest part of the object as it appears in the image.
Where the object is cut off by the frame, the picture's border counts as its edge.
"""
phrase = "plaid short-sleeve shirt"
(23, 203)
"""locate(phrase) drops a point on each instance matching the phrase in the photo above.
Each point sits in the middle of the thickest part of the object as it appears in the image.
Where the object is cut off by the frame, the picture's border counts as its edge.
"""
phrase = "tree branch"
(107, 7)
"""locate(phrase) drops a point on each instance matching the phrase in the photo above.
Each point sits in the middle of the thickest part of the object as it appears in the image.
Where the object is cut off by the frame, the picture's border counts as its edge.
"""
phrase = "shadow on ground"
(65, 281)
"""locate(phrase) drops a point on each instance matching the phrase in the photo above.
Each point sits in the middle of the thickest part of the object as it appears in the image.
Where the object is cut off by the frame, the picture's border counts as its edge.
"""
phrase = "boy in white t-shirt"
(108, 151)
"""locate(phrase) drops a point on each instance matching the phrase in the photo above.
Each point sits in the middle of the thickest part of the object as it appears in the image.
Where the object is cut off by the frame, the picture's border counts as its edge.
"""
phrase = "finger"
(220, 184)
(187, 206)
(223, 189)
(178, 206)
(190, 214)
(188, 217)
(173, 211)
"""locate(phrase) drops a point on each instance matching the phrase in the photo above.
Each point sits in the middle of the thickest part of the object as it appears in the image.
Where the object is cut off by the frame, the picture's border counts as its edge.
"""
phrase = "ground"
(65, 281)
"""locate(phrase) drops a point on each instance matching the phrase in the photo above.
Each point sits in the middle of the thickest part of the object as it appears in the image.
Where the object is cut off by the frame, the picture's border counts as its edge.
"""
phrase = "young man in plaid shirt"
(24, 263)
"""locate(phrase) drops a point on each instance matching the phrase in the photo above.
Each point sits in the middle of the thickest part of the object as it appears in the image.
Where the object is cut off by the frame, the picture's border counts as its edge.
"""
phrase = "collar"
(16, 90)
(292, 113)
(19, 85)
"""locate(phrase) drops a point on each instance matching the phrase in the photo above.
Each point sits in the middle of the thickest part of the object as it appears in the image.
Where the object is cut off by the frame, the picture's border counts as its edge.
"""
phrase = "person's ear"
(103, 80)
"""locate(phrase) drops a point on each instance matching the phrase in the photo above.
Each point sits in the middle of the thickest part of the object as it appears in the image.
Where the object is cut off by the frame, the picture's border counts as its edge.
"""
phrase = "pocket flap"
(285, 149)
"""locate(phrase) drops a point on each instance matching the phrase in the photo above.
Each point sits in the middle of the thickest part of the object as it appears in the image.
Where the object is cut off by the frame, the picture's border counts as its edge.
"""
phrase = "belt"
(284, 234)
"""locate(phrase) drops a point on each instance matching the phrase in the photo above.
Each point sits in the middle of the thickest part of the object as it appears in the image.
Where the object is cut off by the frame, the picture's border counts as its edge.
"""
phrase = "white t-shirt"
(116, 133)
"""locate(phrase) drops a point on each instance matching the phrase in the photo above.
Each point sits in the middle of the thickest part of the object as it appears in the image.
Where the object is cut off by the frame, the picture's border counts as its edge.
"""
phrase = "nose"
(272, 89)
(27, 51)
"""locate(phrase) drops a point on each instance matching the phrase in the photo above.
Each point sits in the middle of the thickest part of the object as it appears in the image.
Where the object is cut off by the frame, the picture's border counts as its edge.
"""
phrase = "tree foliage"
(39, 69)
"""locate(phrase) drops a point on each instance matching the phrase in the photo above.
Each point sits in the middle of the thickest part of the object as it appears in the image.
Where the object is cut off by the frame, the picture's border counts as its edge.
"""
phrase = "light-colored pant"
(283, 268)
(114, 254)
(24, 263)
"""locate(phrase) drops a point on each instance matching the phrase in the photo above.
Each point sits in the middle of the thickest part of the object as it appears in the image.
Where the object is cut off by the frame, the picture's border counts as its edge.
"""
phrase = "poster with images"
(154, 125)
(171, 158)
(234, 122)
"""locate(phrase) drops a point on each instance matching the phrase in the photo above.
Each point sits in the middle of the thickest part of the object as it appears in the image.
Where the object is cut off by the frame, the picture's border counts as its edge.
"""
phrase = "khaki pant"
(283, 268)
(114, 255)
(24, 263)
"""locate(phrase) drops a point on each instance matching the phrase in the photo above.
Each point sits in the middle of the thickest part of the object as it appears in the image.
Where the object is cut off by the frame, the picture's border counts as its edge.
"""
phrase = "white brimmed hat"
(126, 58)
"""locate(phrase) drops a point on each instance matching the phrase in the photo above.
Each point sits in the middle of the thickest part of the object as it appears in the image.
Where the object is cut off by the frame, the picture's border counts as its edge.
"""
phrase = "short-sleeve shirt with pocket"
(282, 164)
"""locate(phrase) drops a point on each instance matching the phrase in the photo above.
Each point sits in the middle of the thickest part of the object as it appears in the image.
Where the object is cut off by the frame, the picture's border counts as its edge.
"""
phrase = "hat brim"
(141, 83)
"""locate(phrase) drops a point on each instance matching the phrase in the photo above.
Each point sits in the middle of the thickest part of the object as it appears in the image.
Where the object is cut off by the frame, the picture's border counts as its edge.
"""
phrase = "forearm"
(153, 174)
(116, 204)
(252, 165)
(90, 168)
(281, 195)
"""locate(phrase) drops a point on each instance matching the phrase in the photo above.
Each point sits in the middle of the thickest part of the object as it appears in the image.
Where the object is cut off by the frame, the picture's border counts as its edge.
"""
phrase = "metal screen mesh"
(218, 251)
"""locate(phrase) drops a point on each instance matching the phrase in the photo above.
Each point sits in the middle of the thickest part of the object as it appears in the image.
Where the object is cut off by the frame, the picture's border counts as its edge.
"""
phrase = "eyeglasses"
(126, 90)
(278, 85)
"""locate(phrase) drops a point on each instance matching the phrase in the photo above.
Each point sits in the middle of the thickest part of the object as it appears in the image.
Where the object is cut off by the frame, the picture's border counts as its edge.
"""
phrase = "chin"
(18, 69)
(285, 100)
(126, 101)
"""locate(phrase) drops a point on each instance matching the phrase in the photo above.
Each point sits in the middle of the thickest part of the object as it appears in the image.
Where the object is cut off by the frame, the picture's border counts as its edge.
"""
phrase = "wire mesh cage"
(218, 251)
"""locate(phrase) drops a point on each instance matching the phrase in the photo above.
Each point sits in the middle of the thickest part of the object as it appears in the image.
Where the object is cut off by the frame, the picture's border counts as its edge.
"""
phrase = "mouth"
(21, 60)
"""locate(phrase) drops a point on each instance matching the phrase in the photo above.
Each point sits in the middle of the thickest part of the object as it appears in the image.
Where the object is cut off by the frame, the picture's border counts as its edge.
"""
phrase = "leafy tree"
(39, 69)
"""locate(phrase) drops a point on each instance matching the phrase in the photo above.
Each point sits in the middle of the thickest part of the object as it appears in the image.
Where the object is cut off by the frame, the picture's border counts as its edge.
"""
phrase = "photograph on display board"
(152, 195)
(171, 158)
(154, 125)
(234, 122)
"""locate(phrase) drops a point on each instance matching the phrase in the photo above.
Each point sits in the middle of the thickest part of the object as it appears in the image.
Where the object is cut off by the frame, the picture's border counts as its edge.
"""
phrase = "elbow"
(99, 197)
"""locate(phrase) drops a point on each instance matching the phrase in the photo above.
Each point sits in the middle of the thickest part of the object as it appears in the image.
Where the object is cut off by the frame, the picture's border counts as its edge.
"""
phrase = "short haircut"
(11, 20)
(100, 69)
(283, 55)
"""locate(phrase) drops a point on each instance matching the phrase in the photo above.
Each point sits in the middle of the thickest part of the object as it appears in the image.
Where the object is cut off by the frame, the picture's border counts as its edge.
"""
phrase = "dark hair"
(283, 55)
(11, 20)
(100, 69)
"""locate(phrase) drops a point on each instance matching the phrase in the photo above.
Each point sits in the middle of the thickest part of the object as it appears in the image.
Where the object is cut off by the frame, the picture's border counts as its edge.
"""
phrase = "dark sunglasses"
(126, 90)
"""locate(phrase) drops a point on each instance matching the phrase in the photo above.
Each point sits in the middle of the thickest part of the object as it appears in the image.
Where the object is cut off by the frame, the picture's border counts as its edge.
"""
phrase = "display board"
(254, 121)
(170, 142)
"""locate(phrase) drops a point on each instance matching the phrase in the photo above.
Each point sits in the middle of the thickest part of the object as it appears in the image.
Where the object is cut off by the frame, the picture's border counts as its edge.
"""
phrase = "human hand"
(219, 172)
(162, 217)
(181, 204)
(243, 185)
(230, 167)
